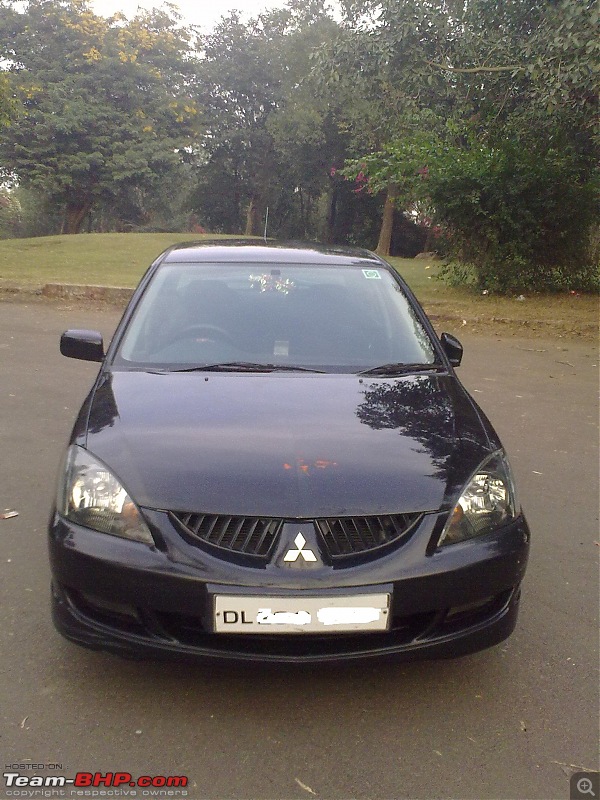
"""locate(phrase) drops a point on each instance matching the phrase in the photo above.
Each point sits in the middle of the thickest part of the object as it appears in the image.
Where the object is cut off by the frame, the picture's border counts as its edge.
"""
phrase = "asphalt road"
(512, 722)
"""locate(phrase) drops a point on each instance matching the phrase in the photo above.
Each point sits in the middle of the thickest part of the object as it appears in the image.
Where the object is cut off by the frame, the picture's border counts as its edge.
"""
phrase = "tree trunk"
(75, 213)
(309, 214)
(331, 216)
(387, 224)
(253, 219)
(428, 240)
(302, 214)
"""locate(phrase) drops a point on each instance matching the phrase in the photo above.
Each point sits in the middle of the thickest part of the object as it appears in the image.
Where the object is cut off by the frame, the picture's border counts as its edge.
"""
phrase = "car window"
(334, 318)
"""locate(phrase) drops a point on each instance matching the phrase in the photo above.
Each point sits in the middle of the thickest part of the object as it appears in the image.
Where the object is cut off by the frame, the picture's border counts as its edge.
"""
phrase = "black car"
(277, 462)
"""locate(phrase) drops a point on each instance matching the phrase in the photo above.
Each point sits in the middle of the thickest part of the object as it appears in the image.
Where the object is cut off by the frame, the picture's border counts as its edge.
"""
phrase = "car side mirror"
(452, 348)
(85, 345)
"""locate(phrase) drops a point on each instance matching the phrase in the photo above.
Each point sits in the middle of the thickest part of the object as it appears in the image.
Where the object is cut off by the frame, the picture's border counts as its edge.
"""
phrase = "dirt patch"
(537, 317)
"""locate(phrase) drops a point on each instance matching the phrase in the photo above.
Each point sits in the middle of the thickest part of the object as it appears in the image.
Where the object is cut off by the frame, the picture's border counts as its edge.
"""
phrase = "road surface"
(512, 722)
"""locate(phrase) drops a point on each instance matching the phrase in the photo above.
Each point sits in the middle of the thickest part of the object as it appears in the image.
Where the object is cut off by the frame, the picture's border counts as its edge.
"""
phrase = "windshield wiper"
(402, 369)
(247, 366)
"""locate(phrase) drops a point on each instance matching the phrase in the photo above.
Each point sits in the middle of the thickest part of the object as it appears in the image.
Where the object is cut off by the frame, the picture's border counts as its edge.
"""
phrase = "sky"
(203, 14)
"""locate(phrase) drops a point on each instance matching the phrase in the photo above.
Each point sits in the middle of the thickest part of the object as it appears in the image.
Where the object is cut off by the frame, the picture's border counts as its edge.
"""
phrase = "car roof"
(261, 252)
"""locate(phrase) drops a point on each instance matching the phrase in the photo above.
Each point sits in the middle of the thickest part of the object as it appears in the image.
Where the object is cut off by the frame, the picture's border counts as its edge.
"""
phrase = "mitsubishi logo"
(292, 555)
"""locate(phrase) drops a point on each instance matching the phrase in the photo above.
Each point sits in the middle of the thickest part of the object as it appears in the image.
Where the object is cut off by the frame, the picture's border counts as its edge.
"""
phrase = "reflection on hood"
(286, 445)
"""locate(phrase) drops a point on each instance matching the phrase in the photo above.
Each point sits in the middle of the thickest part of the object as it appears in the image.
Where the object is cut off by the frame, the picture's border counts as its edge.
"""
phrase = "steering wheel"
(212, 333)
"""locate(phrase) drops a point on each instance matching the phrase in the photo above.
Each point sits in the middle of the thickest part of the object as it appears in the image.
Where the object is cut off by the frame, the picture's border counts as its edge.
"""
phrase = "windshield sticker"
(373, 274)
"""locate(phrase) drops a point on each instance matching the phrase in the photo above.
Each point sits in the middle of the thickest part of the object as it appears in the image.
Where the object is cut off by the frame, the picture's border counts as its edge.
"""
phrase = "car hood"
(286, 444)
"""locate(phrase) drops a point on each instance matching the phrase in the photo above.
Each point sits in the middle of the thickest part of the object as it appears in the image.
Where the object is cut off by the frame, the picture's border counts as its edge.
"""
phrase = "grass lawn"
(120, 259)
(102, 259)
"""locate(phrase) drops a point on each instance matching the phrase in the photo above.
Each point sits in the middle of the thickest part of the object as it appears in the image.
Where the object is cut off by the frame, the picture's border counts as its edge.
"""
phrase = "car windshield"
(336, 319)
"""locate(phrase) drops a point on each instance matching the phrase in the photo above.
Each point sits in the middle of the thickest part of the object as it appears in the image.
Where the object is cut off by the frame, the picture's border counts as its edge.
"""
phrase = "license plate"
(365, 612)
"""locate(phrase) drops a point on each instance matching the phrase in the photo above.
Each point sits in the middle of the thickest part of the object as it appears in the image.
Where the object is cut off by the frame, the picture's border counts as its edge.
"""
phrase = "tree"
(305, 137)
(239, 87)
(512, 168)
(270, 140)
(105, 103)
(379, 69)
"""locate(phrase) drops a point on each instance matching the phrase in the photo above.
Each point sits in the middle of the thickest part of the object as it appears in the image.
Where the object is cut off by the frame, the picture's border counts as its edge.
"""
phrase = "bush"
(520, 218)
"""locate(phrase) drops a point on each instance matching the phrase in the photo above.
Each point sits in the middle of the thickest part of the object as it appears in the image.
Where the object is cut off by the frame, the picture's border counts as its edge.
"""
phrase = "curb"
(74, 291)
(13, 290)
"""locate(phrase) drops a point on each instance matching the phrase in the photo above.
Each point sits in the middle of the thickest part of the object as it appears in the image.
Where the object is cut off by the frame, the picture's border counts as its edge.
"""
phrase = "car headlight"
(90, 495)
(488, 501)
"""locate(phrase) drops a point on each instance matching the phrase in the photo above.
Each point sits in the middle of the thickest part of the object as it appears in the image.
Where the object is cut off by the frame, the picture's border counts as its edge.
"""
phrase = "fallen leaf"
(304, 786)
(573, 766)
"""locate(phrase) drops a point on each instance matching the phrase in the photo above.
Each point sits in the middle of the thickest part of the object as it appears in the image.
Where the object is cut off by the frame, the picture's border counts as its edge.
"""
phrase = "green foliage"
(10, 214)
(270, 140)
(403, 162)
(104, 106)
(8, 105)
(564, 60)
(513, 218)
(520, 217)
(239, 86)
(35, 215)
(510, 172)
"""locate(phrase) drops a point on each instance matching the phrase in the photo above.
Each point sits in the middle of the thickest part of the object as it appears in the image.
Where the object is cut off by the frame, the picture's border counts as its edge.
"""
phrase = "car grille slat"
(266, 531)
(236, 526)
(251, 526)
(372, 526)
(200, 522)
(359, 539)
(255, 537)
(222, 528)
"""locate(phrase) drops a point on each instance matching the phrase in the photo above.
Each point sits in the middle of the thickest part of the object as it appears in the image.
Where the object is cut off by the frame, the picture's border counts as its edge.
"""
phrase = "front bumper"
(124, 597)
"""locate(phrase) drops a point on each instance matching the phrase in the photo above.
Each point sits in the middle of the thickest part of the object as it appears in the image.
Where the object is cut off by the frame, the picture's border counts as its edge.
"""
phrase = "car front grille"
(254, 538)
(249, 536)
(349, 536)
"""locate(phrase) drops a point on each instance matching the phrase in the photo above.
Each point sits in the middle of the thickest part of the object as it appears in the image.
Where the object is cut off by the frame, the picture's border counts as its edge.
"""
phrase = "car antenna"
(266, 223)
